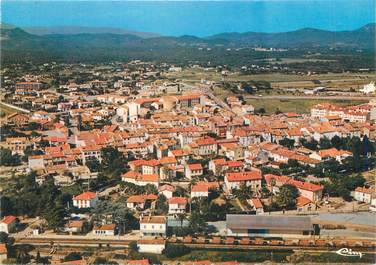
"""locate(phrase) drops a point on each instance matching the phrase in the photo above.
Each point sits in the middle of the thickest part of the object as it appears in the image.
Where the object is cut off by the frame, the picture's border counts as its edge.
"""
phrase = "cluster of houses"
(177, 138)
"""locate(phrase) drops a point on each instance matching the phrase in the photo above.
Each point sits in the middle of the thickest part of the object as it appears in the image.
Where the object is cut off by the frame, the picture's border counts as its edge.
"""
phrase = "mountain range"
(64, 42)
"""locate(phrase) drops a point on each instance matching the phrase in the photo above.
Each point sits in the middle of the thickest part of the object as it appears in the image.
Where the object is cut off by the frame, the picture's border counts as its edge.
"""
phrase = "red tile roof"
(136, 199)
(243, 176)
(195, 166)
(298, 184)
(153, 220)
(138, 262)
(220, 161)
(301, 201)
(235, 163)
(364, 190)
(333, 152)
(9, 219)
(177, 200)
(202, 186)
(206, 141)
(168, 160)
(107, 227)
(88, 195)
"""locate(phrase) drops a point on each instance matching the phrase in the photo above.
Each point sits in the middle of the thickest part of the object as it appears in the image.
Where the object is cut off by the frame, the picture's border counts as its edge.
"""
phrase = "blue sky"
(199, 18)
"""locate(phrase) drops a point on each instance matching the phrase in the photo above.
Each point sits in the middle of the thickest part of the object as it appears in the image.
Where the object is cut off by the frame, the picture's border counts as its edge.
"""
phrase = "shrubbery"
(175, 251)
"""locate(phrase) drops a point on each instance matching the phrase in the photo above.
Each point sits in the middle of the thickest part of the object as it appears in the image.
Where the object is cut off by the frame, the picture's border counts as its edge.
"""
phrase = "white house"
(104, 230)
(207, 146)
(155, 246)
(138, 201)
(139, 179)
(87, 199)
(36, 162)
(90, 153)
(363, 194)
(201, 188)
(73, 226)
(177, 205)
(312, 192)
(167, 190)
(252, 179)
(153, 226)
(8, 224)
(193, 170)
(327, 154)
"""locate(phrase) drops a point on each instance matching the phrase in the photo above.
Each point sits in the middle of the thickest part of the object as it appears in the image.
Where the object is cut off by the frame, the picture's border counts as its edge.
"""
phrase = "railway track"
(216, 243)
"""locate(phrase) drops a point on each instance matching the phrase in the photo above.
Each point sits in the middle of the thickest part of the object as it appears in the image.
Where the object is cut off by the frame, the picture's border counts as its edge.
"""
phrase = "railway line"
(216, 243)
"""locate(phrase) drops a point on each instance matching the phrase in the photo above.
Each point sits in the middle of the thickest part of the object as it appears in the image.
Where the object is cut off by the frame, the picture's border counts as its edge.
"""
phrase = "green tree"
(289, 143)
(54, 215)
(287, 195)
(113, 161)
(161, 205)
(197, 223)
(337, 142)
(325, 143)
(7, 159)
(94, 165)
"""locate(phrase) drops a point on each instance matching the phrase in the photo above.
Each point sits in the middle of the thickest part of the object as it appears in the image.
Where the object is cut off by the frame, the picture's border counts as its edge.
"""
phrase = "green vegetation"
(330, 258)
(343, 177)
(26, 198)
(240, 256)
(295, 105)
(286, 198)
(174, 251)
(117, 213)
(19, 46)
(7, 159)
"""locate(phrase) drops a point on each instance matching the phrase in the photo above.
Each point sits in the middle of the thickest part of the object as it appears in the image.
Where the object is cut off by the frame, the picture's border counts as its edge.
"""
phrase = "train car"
(340, 243)
(276, 242)
(306, 242)
(216, 240)
(259, 241)
(230, 241)
(244, 241)
(187, 239)
(291, 242)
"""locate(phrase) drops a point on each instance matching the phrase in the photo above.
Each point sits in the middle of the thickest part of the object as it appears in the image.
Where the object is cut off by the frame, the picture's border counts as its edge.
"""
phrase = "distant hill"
(18, 43)
(69, 30)
(362, 37)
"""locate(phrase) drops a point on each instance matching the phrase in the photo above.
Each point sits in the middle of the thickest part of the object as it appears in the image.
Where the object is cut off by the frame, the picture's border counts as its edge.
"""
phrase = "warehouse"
(268, 226)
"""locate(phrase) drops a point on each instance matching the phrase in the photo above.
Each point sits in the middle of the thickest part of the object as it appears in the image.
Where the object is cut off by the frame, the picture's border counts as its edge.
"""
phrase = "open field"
(296, 105)
(279, 80)
(211, 74)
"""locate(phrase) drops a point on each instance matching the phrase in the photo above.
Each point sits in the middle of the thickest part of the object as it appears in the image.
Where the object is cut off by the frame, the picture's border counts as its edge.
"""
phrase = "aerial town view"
(188, 132)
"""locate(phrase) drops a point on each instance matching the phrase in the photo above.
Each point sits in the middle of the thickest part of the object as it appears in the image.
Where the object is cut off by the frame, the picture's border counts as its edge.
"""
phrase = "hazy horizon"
(199, 18)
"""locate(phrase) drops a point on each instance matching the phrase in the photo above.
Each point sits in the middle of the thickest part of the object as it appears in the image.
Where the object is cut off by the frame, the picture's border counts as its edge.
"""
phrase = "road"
(217, 100)
(14, 107)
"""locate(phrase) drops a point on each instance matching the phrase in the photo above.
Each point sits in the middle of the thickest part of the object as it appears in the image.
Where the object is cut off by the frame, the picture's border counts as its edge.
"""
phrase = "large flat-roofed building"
(268, 226)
